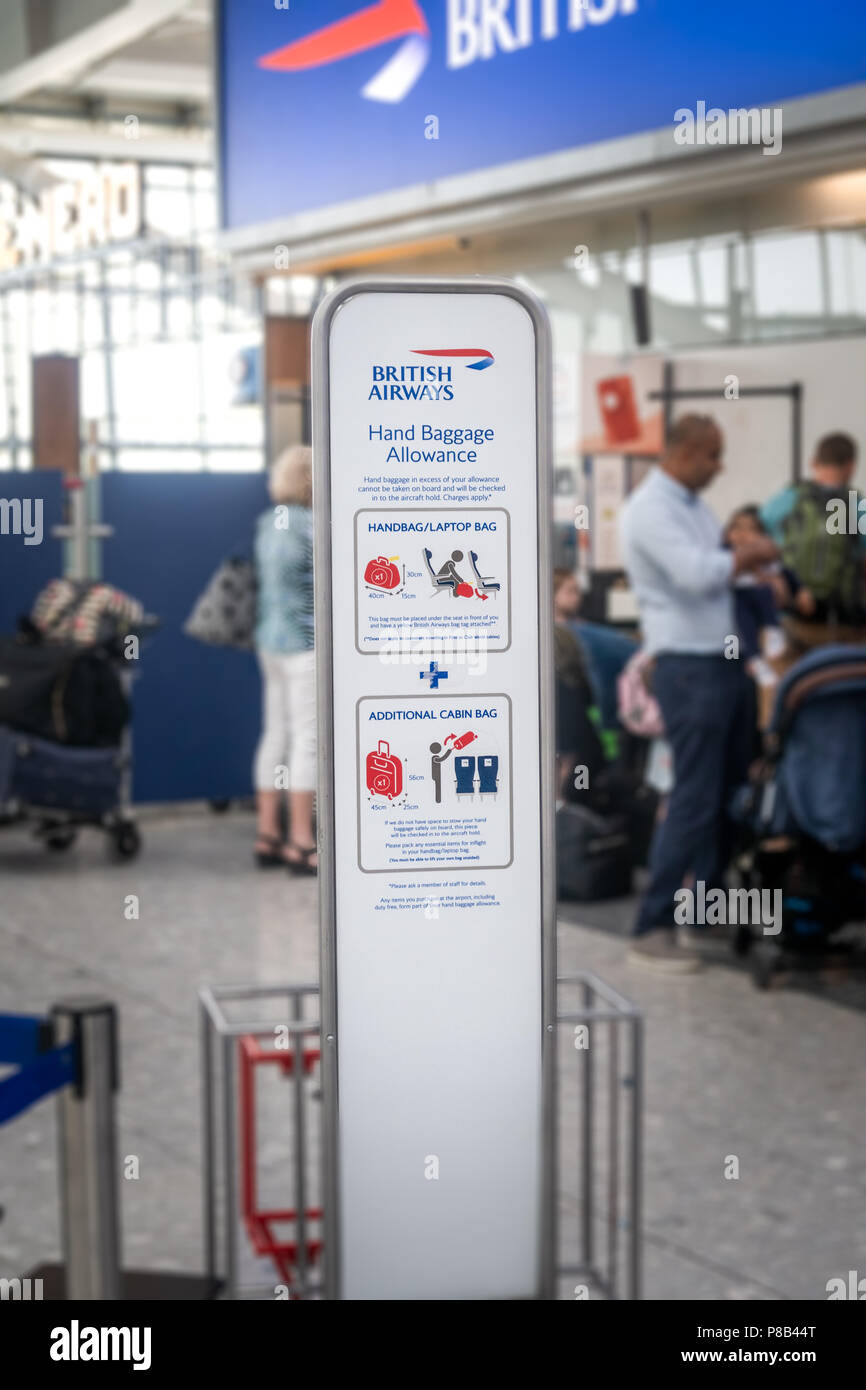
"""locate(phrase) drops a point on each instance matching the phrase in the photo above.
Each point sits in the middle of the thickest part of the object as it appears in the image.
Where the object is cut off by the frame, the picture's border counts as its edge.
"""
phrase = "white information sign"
(431, 455)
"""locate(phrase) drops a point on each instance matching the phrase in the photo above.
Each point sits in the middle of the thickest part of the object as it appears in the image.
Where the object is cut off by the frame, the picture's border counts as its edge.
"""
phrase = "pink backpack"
(638, 709)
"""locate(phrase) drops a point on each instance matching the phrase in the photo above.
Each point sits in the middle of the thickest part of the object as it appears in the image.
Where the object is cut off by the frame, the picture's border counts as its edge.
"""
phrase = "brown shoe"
(717, 937)
(657, 950)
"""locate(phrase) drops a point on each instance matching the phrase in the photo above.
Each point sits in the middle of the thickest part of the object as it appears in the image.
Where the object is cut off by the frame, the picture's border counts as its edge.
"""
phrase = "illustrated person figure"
(683, 581)
(449, 569)
(436, 767)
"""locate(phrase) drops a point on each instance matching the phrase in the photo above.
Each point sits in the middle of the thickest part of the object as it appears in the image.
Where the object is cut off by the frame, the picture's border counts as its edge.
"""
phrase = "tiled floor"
(775, 1080)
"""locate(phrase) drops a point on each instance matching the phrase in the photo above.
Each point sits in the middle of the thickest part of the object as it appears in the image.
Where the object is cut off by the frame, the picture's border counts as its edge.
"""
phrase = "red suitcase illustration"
(384, 772)
(382, 573)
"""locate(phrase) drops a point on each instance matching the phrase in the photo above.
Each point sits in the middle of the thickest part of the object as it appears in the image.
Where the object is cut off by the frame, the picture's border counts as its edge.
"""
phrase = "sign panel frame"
(322, 481)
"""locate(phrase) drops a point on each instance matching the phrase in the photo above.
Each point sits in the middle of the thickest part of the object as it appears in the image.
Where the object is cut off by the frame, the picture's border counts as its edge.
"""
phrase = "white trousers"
(288, 722)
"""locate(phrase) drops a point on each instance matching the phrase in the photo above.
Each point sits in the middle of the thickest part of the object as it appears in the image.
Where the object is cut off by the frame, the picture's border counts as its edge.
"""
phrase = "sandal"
(273, 857)
(302, 866)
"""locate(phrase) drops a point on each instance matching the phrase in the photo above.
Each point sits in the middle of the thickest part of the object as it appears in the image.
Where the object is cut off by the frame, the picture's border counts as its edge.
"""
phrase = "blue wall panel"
(25, 569)
(197, 708)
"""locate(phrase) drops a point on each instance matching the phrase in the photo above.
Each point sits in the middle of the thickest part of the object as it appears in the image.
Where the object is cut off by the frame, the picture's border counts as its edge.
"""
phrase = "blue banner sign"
(323, 101)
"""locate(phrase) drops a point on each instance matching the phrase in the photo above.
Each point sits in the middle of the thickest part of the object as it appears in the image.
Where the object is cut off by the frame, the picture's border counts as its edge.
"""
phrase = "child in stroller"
(802, 817)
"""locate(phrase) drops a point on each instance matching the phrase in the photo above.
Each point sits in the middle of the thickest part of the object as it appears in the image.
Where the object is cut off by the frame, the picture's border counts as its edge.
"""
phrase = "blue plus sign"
(433, 675)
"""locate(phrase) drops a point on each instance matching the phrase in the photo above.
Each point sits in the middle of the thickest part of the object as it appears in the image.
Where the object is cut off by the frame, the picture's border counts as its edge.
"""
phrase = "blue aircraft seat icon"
(465, 770)
(488, 774)
(486, 583)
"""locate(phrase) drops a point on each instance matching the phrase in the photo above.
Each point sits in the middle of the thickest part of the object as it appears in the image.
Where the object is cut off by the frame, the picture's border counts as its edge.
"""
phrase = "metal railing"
(221, 1038)
(609, 1174)
(607, 1137)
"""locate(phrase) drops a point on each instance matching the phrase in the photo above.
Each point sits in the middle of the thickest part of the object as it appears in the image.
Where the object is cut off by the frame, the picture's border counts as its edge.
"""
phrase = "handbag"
(225, 613)
(638, 708)
(382, 573)
(85, 612)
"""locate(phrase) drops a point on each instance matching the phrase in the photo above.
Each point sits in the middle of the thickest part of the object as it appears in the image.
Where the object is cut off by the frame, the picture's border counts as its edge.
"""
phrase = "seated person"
(577, 742)
(449, 569)
(606, 651)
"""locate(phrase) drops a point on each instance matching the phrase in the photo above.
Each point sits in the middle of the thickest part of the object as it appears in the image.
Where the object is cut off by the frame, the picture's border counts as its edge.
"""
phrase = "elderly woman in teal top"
(286, 755)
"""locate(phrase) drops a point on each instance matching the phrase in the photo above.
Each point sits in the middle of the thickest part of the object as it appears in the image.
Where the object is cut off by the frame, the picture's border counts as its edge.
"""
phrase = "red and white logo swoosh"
(369, 28)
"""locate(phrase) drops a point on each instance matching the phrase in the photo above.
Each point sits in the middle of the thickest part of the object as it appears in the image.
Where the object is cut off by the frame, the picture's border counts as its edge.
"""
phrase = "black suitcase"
(616, 792)
(593, 855)
(61, 691)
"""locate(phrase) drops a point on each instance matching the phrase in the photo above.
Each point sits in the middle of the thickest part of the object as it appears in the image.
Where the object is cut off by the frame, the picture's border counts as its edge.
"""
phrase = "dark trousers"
(708, 707)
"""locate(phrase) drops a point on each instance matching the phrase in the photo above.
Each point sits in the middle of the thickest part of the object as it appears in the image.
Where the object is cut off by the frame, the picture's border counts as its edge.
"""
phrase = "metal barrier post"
(88, 1150)
(588, 1134)
(229, 1059)
(207, 1157)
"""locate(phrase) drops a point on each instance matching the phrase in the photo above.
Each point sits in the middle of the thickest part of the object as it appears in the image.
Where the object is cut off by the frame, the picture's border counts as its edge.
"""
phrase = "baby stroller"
(802, 817)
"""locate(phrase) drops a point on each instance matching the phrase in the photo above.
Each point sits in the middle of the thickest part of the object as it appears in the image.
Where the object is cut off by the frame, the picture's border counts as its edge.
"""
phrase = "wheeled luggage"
(65, 746)
(384, 772)
(593, 855)
(65, 788)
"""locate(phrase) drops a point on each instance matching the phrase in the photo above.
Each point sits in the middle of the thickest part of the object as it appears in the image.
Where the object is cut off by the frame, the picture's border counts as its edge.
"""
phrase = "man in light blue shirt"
(672, 544)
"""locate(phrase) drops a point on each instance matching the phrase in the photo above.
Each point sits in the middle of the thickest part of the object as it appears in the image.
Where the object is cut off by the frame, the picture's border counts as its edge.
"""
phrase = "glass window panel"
(91, 320)
(787, 276)
(147, 274)
(92, 385)
(165, 176)
(148, 317)
(179, 315)
(167, 212)
(156, 396)
(672, 275)
(204, 205)
(846, 258)
(713, 266)
(122, 319)
(231, 374)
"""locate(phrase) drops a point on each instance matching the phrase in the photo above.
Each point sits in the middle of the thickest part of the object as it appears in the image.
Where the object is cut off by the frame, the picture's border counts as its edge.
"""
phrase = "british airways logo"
(483, 357)
(477, 30)
(369, 28)
(428, 381)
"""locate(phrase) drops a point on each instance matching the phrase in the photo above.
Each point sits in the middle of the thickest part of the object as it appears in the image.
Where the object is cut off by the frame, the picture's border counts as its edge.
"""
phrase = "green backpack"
(827, 564)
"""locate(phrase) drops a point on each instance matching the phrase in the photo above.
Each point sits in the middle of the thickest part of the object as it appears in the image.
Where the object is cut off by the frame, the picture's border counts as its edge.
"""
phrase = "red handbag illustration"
(384, 772)
(382, 573)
